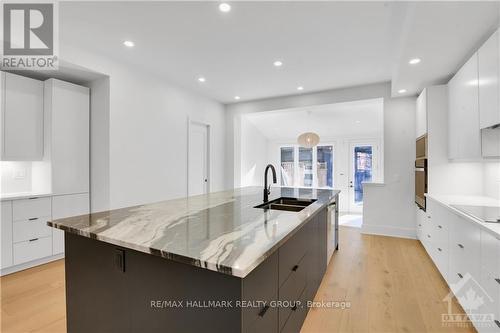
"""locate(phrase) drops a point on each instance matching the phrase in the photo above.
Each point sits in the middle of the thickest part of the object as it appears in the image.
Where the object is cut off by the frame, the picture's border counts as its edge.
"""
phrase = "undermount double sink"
(288, 204)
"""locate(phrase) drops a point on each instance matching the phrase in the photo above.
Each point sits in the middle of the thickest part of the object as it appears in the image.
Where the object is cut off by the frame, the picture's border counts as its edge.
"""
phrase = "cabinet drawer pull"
(497, 280)
(460, 246)
(428, 216)
(294, 308)
(460, 275)
(33, 239)
(429, 236)
(33, 219)
(419, 225)
(33, 198)
(440, 227)
(439, 249)
(263, 311)
(294, 268)
(497, 322)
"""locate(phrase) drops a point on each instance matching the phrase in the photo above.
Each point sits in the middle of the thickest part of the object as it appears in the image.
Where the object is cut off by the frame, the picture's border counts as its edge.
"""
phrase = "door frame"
(376, 168)
(191, 122)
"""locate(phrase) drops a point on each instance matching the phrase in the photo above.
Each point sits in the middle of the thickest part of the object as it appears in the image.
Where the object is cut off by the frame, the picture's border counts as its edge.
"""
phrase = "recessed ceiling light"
(300, 88)
(201, 79)
(128, 43)
(414, 61)
(225, 7)
(278, 63)
(236, 97)
(401, 91)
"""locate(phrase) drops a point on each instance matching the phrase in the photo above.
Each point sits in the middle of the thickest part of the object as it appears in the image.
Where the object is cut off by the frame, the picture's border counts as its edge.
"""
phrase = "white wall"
(389, 208)
(254, 152)
(148, 132)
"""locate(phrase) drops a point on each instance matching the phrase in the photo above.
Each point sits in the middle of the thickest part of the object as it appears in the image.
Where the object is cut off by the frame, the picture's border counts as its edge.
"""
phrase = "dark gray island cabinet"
(114, 286)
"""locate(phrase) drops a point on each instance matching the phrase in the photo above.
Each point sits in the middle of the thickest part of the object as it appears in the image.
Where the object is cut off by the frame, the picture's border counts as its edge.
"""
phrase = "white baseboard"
(390, 231)
(30, 264)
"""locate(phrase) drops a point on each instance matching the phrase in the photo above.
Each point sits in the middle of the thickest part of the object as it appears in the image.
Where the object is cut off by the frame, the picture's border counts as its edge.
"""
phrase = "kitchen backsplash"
(16, 177)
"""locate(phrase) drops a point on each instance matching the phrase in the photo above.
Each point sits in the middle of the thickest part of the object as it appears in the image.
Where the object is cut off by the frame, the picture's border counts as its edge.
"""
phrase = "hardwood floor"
(391, 284)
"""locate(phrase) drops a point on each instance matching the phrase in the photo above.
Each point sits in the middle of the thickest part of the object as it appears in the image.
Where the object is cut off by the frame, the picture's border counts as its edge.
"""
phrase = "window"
(324, 169)
(287, 166)
(307, 167)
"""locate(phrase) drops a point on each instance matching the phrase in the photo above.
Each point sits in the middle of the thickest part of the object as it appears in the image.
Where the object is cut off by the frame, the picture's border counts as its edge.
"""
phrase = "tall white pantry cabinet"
(67, 146)
(56, 118)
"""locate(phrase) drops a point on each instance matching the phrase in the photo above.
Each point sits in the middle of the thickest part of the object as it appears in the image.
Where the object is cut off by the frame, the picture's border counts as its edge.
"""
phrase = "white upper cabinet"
(68, 107)
(421, 127)
(488, 69)
(464, 135)
(22, 118)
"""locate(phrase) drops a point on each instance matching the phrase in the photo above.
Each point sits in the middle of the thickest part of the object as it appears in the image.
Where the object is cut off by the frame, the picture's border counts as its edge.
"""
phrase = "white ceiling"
(323, 45)
(353, 119)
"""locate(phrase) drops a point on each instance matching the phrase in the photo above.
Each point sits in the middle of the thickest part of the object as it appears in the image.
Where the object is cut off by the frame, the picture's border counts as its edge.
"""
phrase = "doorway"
(363, 167)
(198, 158)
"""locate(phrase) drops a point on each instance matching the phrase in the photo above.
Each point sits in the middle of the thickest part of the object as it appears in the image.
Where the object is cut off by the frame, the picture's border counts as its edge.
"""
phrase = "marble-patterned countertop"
(220, 231)
(471, 200)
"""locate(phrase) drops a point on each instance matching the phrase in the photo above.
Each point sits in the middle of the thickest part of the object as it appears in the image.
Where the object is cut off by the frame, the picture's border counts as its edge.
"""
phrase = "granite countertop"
(471, 200)
(219, 231)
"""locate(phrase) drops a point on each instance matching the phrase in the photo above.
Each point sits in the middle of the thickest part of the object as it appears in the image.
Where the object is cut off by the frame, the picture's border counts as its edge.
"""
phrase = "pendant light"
(308, 139)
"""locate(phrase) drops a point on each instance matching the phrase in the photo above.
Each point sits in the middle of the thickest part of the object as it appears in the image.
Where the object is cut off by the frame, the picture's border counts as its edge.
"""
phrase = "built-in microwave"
(421, 147)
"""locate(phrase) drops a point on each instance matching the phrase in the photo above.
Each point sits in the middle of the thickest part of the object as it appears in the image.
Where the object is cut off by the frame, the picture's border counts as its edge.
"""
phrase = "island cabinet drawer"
(31, 208)
(32, 228)
(291, 291)
(32, 249)
(292, 252)
(260, 291)
(297, 316)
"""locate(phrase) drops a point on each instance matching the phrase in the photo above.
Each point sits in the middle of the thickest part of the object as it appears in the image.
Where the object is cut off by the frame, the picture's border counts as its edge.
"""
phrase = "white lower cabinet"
(468, 258)
(67, 206)
(6, 234)
(32, 249)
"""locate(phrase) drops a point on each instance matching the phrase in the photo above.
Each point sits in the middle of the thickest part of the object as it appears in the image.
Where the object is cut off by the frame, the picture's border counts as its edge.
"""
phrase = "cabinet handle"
(33, 239)
(33, 219)
(428, 216)
(429, 236)
(439, 249)
(263, 311)
(440, 227)
(294, 268)
(419, 225)
(294, 307)
(460, 275)
(497, 280)
(460, 246)
(497, 322)
(32, 198)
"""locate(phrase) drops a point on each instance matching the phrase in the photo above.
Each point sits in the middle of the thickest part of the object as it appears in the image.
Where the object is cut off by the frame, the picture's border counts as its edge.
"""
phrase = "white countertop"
(22, 195)
(471, 200)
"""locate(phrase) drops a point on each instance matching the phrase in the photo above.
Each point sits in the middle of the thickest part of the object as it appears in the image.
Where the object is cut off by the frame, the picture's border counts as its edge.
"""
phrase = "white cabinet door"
(22, 118)
(421, 127)
(488, 58)
(69, 113)
(6, 234)
(67, 206)
(464, 133)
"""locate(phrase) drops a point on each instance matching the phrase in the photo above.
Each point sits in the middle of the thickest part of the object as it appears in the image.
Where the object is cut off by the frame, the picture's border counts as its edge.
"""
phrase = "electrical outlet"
(19, 173)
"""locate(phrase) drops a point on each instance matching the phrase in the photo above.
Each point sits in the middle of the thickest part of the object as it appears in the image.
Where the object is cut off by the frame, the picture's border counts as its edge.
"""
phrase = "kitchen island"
(209, 263)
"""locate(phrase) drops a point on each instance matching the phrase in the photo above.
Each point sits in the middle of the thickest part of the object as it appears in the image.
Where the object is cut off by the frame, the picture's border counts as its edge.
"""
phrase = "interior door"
(198, 160)
(363, 165)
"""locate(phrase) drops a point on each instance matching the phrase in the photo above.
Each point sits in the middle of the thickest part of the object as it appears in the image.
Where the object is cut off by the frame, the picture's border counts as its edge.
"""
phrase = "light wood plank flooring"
(391, 283)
